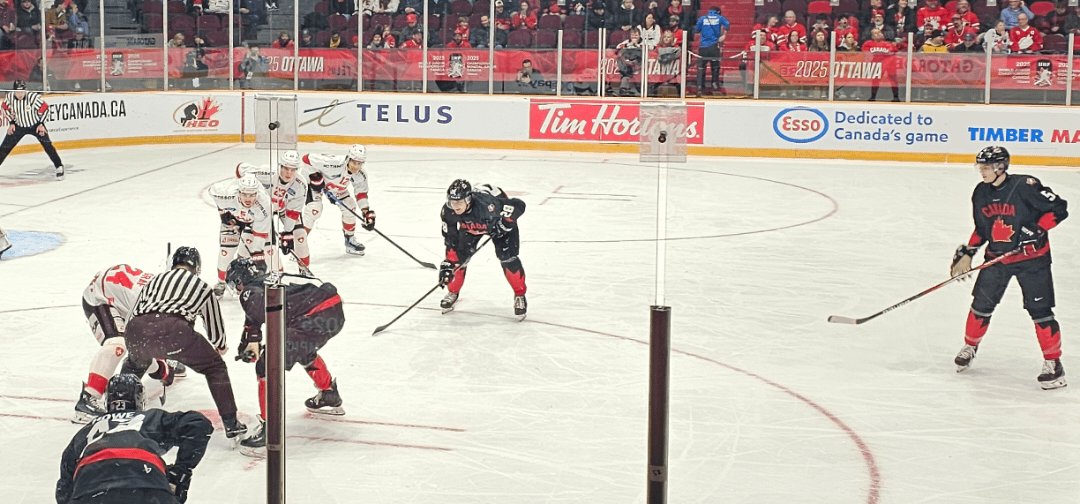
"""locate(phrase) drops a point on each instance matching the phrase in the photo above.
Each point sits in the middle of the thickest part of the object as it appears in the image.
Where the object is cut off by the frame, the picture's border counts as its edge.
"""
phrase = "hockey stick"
(342, 205)
(845, 320)
(428, 293)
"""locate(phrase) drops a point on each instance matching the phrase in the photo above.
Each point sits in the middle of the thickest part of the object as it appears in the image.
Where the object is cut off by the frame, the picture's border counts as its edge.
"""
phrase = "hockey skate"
(447, 302)
(255, 444)
(520, 307)
(326, 402)
(60, 172)
(304, 270)
(964, 358)
(1053, 375)
(219, 289)
(353, 246)
(87, 408)
(234, 430)
(179, 370)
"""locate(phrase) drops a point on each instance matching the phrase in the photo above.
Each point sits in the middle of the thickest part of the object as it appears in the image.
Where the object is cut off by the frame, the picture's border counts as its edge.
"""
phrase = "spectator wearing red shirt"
(843, 28)
(462, 27)
(458, 42)
(793, 43)
(673, 27)
(284, 41)
(931, 16)
(523, 18)
(955, 36)
(1025, 38)
(502, 18)
(416, 42)
(767, 31)
(791, 24)
(963, 9)
(882, 51)
(902, 17)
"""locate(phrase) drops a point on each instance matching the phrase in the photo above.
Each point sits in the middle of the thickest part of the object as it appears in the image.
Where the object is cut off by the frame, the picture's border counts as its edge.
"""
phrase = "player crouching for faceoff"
(288, 196)
(334, 174)
(107, 303)
(1012, 212)
(313, 314)
(245, 210)
(467, 216)
(117, 459)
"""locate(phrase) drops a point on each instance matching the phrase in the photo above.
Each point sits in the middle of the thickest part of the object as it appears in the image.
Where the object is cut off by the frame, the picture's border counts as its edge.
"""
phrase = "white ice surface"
(769, 403)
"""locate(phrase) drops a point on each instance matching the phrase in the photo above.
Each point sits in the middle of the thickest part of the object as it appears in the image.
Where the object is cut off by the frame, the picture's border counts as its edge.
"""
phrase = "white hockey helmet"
(358, 152)
(249, 184)
(289, 158)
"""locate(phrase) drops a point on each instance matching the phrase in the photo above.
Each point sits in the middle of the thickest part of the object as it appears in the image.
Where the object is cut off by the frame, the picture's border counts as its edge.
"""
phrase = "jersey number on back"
(121, 278)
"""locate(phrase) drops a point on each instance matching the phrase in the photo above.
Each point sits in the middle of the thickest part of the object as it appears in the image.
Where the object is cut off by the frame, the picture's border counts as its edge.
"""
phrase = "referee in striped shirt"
(25, 113)
(162, 326)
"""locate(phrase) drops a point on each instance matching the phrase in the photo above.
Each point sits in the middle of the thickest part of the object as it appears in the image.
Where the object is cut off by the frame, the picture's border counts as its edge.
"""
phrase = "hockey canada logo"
(198, 115)
(800, 124)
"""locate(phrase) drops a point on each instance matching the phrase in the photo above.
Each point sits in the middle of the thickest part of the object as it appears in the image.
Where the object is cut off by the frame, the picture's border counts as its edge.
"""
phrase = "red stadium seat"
(216, 38)
(481, 7)
(546, 38)
(574, 23)
(176, 7)
(847, 7)
(461, 8)
(571, 39)
(592, 39)
(520, 38)
(616, 37)
(381, 20)
(338, 22)
(208, 23)
(150, 7)
(151, 23)
(1055, 43)
(819, 7)
(323, 7)
(322, 39)
(1041, 8)
(474, 21)
(550, 22)
(797, 6)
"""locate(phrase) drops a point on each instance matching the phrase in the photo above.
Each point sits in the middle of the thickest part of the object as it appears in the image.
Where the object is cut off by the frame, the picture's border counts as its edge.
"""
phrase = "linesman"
(25, 113)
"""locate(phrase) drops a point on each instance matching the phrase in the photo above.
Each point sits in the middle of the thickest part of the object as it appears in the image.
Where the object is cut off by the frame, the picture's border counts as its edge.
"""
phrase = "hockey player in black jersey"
(117, 458)
(470, 214)
(1012, 212)
(313, 314)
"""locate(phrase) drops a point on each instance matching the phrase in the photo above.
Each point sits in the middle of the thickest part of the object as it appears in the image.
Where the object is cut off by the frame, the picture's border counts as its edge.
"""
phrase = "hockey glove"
(505, 226)
(179, 482)
(1031, 239)
(316, 183)
(248, 351)
(369, 219)
(286, 243)
(446, 273)
(228, 219)
(961, 260)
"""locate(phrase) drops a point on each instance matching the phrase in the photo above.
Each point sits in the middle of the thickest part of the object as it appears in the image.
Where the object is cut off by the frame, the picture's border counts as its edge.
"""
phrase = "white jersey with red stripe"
(118, 286)
(256, 217)
(286, 199)
(335, 172)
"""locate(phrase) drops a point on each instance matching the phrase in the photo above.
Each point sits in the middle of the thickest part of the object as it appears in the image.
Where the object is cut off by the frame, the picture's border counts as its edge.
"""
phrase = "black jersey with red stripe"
(485, 212)
(1000, 212)
(122, 450)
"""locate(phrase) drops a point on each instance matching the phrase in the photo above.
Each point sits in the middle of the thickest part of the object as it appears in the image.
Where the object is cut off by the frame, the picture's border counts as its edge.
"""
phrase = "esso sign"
(800, 124)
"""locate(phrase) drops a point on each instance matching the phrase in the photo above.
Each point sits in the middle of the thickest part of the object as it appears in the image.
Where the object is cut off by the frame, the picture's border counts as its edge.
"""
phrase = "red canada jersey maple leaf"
(1001, 232)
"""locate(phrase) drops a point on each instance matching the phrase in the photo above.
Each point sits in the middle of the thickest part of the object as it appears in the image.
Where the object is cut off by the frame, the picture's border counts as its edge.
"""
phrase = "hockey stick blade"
(845, 320)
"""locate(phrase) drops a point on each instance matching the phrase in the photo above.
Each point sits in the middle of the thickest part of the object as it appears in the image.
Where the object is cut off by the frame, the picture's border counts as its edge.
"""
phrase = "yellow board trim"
(540, 145)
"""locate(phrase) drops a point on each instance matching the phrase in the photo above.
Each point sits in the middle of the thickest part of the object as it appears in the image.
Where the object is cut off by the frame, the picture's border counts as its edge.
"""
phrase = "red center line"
(391, 424)
(372, 443)
(33, 398)
(35, 417)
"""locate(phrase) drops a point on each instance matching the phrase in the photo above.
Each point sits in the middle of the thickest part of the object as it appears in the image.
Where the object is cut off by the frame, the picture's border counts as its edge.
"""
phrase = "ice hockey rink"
(769, 402)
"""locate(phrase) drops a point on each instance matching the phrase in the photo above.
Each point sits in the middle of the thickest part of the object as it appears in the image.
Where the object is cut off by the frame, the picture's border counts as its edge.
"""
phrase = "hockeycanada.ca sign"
(603, 121)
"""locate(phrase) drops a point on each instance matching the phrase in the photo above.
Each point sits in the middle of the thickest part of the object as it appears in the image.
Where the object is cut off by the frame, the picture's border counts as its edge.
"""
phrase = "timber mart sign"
(601, 121)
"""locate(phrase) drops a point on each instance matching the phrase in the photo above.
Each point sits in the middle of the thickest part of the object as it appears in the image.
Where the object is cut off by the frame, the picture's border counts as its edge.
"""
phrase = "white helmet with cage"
(249, 184)
(289, 158)
(358, 152)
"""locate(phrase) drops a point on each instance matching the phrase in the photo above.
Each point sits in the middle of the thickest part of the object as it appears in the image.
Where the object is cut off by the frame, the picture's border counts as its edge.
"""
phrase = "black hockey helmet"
(243, 271)
(187, 256)
(124, 393)
(993, 156)
(18, 85)
(459, 190)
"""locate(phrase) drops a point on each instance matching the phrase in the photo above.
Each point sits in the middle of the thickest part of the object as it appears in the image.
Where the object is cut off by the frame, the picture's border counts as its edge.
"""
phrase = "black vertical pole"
(275, 391)
(659, 377)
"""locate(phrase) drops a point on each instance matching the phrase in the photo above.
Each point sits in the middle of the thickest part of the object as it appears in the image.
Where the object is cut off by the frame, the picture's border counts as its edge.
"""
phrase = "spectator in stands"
(650, 32)
(254, 66)
(7, 23)
(56, 16)
(902, 17)
(1010, 15)
(28, 18)
(314, 21)
(1056, 18)
(877, 22)
(968, 44)
(881, 51)
(997, 39)
(1025, 38)
(524, 19)
(388, 38)
(1072, 22)
(346, 8)
(713, 28)
(931, 16)
(843, 29)
(414, 42)
(624, 17)
(595, 19)
(411, 26)
(458, 43)
(935, 43)
(848, 43)
(176, 41)
(628, 58)
(77, 20)
(963, 9)
(51, 40)
(793, 43)
(412, 6)
(821, 23)
(955, 35)
(765, 27)
(376, 41)
(791, 23)
(252, 14)
(195, 66)
(479, 37)
(866, 16)
(306, 39)
(819, 41)
(336, 41)
(284, 41)
(528, 77)
(677, 33)
(462, 28)
(80, 41)
(372, 7)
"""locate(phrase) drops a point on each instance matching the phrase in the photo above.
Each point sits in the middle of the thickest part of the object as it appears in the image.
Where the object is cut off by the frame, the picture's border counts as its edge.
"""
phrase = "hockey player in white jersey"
(5, 244)
(107, 303)
(288, 196)
(336, 173)
(245, 210)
